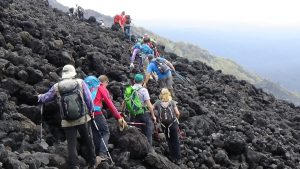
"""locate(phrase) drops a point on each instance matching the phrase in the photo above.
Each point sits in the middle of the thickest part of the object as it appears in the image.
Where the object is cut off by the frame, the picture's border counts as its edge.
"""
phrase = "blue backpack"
(93, 84)
(146, 49)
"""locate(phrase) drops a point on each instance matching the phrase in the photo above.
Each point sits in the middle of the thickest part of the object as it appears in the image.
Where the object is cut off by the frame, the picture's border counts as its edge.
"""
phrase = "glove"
(162, 137)
(131, 65)
(122, 124)
(39, 97)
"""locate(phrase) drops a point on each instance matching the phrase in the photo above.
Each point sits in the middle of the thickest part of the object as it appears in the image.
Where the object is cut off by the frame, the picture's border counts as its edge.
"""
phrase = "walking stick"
(112, 162)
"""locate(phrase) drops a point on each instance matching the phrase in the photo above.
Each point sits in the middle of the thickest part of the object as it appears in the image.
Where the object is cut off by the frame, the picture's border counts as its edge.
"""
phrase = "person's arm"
(47, 97)
(170, 65)
(148, 74)
(110, 105)
(146, 79)
(150, 108)
(177, 113)
(87, 97)
(135, 51)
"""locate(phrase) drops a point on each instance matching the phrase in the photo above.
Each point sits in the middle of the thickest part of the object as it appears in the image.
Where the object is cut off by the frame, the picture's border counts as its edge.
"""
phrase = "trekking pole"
(41, 129)
(112, 162)
(134, 123)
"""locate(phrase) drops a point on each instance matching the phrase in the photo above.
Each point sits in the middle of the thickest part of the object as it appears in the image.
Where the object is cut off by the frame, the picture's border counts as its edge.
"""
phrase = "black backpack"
(127, 19)
(70, 99)
(166, 115)
(162, 66)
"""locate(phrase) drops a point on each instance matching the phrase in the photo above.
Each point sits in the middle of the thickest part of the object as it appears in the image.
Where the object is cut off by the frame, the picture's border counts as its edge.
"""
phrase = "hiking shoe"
(103, 157)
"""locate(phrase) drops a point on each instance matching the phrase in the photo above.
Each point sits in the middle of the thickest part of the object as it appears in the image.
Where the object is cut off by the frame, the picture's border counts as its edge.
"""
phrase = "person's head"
(165, 95)
(150, 56)
(68, 72)
(123, 13)
(138, 78)
(104, 80)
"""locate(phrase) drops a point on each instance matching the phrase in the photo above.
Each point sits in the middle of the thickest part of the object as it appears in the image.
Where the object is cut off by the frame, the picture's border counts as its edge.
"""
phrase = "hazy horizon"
(273, 54)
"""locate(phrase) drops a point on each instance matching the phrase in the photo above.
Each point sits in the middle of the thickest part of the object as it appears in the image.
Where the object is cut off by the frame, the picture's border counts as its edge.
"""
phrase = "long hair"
(165, 95)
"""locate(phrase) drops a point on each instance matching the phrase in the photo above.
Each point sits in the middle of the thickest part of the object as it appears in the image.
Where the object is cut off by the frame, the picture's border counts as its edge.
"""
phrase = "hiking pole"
(112, 162)
(41, 129)
(134, 123)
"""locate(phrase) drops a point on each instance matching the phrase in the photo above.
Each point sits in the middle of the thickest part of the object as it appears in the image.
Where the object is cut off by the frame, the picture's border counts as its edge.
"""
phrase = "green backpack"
(132, 101)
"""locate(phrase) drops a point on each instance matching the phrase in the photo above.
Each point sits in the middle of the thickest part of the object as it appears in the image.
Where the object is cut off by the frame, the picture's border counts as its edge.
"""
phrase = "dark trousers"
(167, 83)
(86, 134)
(173, 140)
(147, 129)
(127, 31)
(104, 130)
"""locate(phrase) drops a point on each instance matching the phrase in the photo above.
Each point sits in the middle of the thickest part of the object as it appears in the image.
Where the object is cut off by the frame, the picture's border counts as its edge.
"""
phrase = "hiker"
(142, 51)
(79, 12)
(119, 21)
(136, 102)
(127, 30)
(167, 115)
(100, 94)
(162, 68)
(151, 43)
(76, 105)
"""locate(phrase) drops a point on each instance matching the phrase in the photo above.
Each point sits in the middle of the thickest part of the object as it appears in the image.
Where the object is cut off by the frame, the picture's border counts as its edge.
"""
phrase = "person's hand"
(122, 123)
(92, 114)
(154, 119)
(131, 65)
(39, 97)
(144, 85)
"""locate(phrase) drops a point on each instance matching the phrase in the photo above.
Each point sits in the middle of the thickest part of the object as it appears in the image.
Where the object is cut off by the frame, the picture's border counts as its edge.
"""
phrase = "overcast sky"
(264, 13)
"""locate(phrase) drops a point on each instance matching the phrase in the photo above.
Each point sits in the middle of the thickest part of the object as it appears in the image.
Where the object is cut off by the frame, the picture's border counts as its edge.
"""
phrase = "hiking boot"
(103, 157)
(98, 161)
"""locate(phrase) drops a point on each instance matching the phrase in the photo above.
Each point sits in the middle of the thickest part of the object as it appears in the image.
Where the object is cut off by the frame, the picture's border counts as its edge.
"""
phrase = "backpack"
(132, 101)
(161, 65)
(117, 18)
(93, 83)
(166, 115)
(70, 99)
(146, 49)
(127, 19)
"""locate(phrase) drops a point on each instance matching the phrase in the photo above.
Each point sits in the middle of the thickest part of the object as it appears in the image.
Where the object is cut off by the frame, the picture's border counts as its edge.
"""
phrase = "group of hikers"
(81, 103)
(78, 12)
(122, 22)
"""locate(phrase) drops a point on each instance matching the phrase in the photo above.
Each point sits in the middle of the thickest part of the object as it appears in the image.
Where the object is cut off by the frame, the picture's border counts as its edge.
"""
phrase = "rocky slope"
(194, 52)
(228, 123)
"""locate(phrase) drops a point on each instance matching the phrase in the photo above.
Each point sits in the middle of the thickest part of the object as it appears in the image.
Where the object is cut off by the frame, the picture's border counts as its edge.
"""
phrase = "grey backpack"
(70, 99)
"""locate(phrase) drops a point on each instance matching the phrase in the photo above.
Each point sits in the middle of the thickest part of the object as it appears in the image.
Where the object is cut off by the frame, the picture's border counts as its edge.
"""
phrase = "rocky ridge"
(228, 123)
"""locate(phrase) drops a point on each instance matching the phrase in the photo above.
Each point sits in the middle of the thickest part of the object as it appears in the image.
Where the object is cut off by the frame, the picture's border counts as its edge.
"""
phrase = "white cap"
(68, 72)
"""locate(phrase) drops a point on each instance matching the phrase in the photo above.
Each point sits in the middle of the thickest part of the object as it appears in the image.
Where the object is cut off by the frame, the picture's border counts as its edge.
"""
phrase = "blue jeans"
(127, 32)
(147, 129)
(104, 130)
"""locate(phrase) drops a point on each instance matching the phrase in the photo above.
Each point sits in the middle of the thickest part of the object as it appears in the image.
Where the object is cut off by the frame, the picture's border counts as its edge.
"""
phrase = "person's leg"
(173, 141)
(148, 128)
(86, 133)
(162, 83)
(145, 64)
(96, 138)
(169, 85)
(104, 130)
(71, 135)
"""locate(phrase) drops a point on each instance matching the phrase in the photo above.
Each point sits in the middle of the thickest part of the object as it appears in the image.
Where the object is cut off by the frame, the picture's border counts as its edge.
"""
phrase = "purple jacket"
(134, 53)
(51, 95)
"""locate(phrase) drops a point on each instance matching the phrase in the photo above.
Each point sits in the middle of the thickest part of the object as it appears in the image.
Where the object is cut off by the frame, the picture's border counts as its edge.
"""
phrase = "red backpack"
(117, 18)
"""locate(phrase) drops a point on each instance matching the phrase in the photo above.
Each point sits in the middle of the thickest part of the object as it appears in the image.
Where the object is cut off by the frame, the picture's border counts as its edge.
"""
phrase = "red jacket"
(103, 95)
